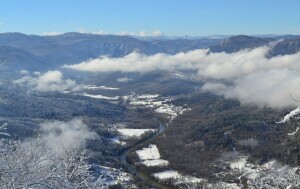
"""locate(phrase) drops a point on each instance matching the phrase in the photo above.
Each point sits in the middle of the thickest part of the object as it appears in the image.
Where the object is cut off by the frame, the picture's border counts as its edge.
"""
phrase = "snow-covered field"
(100, 96)
(159, 104)
(146, 100)
(155, 163)
(129, 133)
(271, 175)
(176, 177)
(150, 156)
(154, 101)
(149, 153)
(148, 96)
(94, 87)
(165, 175)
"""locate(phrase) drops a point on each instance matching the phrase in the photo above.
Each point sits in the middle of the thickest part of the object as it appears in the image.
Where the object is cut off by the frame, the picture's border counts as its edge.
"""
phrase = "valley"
(160, 125)
(130, 94)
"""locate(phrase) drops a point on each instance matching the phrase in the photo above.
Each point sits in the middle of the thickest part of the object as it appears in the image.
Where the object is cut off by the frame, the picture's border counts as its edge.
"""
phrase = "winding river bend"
(132, 169)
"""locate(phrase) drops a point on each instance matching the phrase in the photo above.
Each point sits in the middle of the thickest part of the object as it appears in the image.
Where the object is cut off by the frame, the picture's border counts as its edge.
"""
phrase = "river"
(131, 168)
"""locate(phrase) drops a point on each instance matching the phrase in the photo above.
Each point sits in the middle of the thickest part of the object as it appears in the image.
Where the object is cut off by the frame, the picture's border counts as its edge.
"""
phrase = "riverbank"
(132, 169)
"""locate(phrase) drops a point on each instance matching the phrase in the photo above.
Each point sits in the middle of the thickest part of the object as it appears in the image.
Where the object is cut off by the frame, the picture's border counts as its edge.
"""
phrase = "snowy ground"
(290, 115)
(150, 153)
(116, 140)
(134, 133)
(176, 177)
(100, 96)
(271, 175)
(188, 179)
(179, 75)
(110, 176)
(94, 87)
(159, 104)
(125, 133)
(150, 157)
(165, 175)
(155, 163)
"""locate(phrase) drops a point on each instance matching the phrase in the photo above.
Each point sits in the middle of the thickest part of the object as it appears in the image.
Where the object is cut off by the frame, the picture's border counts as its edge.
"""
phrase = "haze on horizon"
(152, 18)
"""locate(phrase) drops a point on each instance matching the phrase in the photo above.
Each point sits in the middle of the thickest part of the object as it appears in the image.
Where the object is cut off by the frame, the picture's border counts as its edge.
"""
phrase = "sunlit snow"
(164, 175)
(155, 162)
(101, 97)
(290, 115)
(134, 132)
(94, 87)
(149, 153)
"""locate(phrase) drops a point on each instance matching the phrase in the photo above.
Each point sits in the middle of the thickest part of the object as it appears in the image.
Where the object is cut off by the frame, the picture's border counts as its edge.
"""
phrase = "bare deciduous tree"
(31, 164)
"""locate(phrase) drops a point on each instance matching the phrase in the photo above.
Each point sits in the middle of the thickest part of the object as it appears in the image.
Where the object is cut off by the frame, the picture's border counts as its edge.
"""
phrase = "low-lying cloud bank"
(47, 82)
(263, 88)
(136, 62)
(60, 135)
(124, 79)
(253, 78)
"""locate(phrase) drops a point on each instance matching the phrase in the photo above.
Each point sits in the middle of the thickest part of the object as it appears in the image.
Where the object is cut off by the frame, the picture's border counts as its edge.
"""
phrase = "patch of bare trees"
(31, 164)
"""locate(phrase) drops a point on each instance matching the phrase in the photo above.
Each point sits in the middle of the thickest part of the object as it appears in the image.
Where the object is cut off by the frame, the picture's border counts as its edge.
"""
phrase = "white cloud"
(24, 72)
(71, 134)
(263, 88)
(142, 33)
(36, 73)
(99, 32)
(157, 33)
(246, 75)
(124, 79)
(150, 34)
(136, 62)
(47, 82)
(52, 33)
(125, 33)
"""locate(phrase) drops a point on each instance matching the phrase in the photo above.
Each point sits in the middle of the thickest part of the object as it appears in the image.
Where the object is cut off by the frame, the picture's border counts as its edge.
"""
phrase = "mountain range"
(39, 53)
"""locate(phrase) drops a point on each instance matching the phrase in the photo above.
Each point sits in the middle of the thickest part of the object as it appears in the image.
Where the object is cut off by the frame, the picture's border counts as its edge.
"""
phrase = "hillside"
(40, 53)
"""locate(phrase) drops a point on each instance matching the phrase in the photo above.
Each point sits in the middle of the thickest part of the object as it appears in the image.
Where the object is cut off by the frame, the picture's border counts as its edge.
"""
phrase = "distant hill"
(183, 45)
(12, 58)
(284, 44)
(38, 53)
(32, 52)
(239, 42)
(76, 47)
(289, 46)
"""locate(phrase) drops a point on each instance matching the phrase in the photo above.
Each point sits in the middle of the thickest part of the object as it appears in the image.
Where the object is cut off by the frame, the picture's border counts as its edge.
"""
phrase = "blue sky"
(169, 17)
